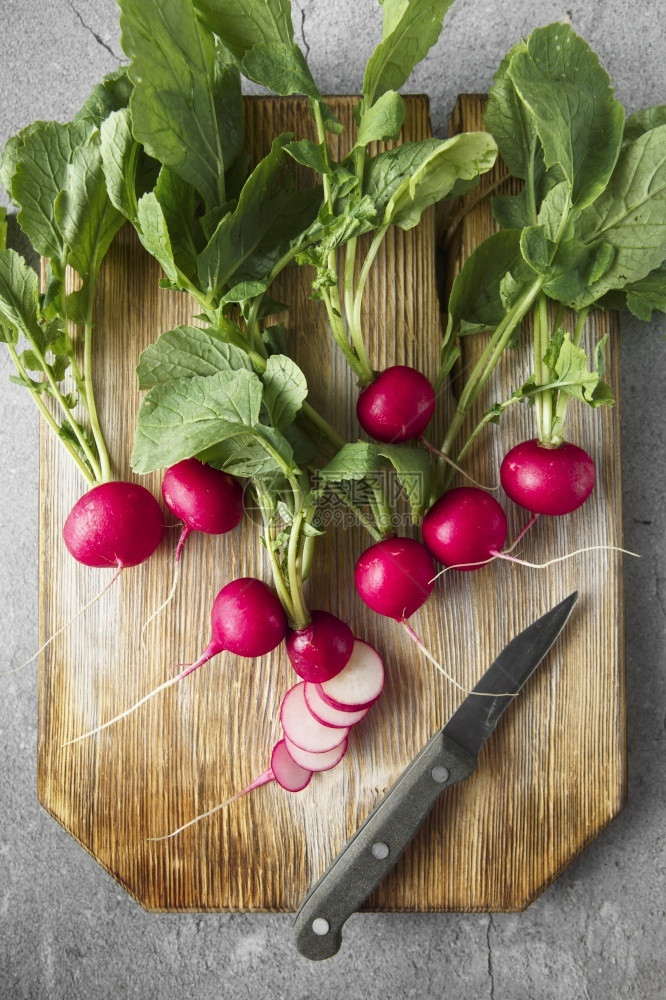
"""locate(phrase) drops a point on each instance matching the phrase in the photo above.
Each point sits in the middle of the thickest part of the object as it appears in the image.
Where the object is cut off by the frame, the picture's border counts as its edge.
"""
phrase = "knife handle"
(374, 849)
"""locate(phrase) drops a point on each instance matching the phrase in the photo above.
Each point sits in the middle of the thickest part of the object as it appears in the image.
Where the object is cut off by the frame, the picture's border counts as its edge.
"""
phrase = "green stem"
(91, 405)
(323, 425)
(66, 409)
(48, 417)
(356, 327)
(563, 397)
(340, 336)
(294, 568)
(487, 362)
(543, 401)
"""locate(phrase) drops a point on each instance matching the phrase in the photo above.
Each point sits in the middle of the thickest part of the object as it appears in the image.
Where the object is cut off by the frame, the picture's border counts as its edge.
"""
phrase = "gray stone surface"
(66, 929)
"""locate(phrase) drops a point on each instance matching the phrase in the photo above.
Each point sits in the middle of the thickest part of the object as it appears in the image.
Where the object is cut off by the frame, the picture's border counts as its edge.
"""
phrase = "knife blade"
(449, 757)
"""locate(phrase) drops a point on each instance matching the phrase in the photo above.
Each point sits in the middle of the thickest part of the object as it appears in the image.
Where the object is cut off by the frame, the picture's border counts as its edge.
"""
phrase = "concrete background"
(66, 929)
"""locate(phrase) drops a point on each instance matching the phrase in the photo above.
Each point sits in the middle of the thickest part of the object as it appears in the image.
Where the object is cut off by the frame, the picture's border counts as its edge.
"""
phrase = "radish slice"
(288, 773)
(359, 684)
(327, 715)
(301, 727)
(316, 761)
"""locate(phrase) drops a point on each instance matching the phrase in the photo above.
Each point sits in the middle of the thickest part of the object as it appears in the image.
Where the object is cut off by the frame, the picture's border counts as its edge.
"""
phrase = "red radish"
(394, 577)
(114, 524)
(321, 649)
(203, 498)
(328, 715)
(246, 619)
(397, 406)
(283, 769)
(359, 685)
(316, 761)
(466, 526)
(301, 727)
(544, 480)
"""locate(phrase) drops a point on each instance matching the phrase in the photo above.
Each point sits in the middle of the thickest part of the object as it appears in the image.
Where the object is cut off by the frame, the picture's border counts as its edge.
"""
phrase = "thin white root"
(163, 605)
(569, 555)
(428, 655)
(71, 621)
(447, 569)
(197, 819)
(458, 468)
(129, 711)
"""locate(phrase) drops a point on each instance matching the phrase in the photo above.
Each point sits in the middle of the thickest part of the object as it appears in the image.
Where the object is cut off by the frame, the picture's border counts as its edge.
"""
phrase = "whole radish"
(394, 577)
(397, 406)
(549, 480)
(115, 524)
(247, 619)
(466, 526)
(321, 649)
(203, 498)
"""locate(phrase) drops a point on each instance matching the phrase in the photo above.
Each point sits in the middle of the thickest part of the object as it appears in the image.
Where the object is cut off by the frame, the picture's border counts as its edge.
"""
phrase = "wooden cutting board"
(549, 781)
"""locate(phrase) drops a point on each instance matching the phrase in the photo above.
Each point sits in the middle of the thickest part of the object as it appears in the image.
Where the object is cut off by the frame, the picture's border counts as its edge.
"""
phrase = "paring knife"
(449, 757)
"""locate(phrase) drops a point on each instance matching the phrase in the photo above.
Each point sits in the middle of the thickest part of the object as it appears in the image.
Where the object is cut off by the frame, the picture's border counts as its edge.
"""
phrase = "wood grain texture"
(554, 774)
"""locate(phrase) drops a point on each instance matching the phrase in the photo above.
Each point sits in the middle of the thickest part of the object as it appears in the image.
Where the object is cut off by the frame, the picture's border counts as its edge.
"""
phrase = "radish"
(547, 480)
(464, 528)
(301, 727)
(394, 577)
(316, 761)
(321, 649)
(359, 685)
(246, 619)
(115, 524)
(283, 769)
(397, 406)
(203, 498)
(328, 715)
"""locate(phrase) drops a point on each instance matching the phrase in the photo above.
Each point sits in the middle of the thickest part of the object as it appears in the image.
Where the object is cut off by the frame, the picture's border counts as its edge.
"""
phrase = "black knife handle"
(376, 846)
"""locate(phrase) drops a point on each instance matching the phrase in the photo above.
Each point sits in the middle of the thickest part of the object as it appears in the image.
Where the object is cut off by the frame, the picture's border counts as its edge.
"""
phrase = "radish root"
(165, 603)
(263, 779)
(208, 653)
(71, 621)
(569, 555)
(428, 655)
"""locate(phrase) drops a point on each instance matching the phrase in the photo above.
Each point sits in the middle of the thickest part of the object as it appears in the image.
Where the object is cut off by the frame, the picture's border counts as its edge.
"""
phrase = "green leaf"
(411, 28)
(19, 293)
(568, 267)
(568, 367)
(462, 158)
(120, 157)
(282, 67)
(3, 227)
(179, 203)
(387, 171)
(185, 416)
(154, 235)
(257, 224)
(285, 391)
(40, 169)
(309, 153)
(247, 454)
(177, 109)
(643, 121)
(414, 472)
(242, 24)
(568, 94)
(509, 121)
(111, 94)
(188, 351)
(353, 461)
(630, 215)
(86, 218)
(644, 296)
(383, 120)
(9, 160)
(478, 299)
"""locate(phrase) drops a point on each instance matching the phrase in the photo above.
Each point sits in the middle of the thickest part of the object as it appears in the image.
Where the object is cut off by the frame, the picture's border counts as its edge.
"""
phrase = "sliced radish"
(301, 727)
(316, 761)
(288, 773)
(359, 684)
(327, 715)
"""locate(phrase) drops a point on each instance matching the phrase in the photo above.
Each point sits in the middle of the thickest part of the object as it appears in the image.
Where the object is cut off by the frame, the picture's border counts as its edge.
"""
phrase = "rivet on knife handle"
(375, 848)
